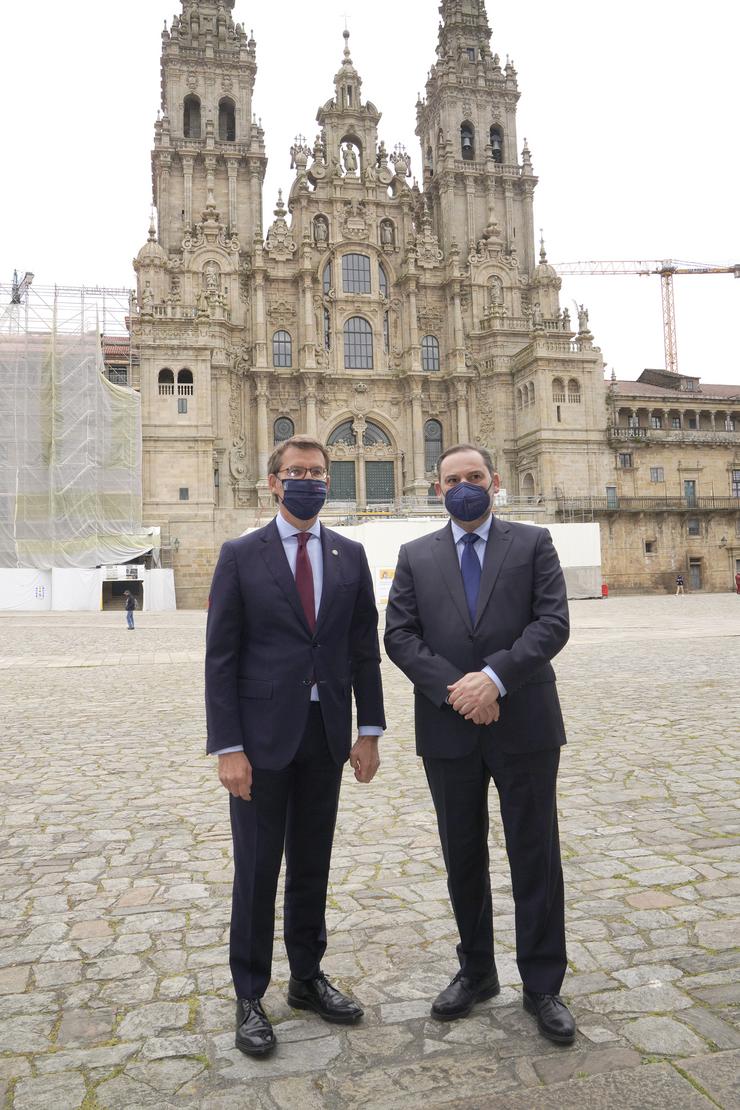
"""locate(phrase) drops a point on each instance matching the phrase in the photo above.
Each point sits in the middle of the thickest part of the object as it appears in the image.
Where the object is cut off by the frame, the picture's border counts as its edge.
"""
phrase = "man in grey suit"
(475, 614)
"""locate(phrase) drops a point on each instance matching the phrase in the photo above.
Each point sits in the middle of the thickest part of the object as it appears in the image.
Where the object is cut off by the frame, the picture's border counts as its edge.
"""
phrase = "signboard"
(125, 573)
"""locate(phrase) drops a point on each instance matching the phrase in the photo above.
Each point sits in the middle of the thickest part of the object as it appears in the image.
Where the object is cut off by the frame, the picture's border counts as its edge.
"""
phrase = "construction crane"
(666, 269)
(19, 289)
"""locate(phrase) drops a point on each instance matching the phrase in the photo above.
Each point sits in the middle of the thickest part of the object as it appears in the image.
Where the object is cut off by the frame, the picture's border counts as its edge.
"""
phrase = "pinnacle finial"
(345, 36)
(543, 253)
(152, 227)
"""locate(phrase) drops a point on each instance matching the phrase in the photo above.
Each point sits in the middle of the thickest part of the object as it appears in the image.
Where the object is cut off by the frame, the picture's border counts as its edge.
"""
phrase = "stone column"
(187, 169)
(310, 397)
(509, 213)
(470, 198)
(163, 200)
(233, 170)
(417, 439)
(261, 390)
(463, 424)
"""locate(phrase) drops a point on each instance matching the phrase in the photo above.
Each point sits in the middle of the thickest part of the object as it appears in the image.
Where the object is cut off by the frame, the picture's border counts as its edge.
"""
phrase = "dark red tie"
(304, 579)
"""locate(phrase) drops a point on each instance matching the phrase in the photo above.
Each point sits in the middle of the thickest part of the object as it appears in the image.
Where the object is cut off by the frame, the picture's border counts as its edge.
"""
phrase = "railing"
(166, 390)
(699, 436)
(185, 390)
(645, 504)
(628, 433)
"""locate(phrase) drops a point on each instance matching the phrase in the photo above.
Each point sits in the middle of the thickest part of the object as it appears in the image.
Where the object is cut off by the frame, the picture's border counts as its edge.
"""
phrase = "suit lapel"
(449, 565)
(497, 550)
(276, 560)
(332, 555)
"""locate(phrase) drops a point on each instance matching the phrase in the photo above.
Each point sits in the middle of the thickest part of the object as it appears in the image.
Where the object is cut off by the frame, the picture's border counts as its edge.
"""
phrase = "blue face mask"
(304, 497)
(468, 502)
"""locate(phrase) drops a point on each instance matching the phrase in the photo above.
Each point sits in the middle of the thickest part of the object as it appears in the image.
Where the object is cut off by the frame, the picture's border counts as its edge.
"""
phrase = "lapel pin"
(334, 551)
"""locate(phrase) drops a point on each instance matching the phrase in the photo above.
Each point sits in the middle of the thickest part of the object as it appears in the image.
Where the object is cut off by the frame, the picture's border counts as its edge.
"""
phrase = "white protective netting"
(70, 440)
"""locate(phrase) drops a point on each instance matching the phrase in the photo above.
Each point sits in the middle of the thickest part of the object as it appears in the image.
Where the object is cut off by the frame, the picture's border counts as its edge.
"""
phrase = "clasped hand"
(475, 697)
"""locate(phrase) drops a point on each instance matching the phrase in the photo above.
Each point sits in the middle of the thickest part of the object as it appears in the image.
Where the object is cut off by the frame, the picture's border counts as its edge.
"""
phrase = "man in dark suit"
(475, 614)
(292, 631)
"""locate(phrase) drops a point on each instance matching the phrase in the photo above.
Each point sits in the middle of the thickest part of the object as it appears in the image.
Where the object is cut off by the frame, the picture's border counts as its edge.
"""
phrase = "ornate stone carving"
(354, 220)
(280, 244)
(430, 317)
(280, 312)
(428, 254)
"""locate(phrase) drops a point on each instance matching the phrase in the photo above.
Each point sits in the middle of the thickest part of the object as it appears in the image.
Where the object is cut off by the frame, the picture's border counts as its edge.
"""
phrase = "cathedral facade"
(387, 316)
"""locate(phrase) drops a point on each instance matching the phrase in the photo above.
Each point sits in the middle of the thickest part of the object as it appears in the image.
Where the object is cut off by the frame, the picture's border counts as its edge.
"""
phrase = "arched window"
(430, 353)
(345, 434)
(191, 117)
(558, 391)
(527, 486)
(519, 398)
(327, 330)
(574, 391)
(327, 279)
(358, 344)
(185, 387)
(497, 144)
(531, 393)
(467, 141)
(282, 349)
(432, 444)
(227, 120)
(373, 435)
(356, 273)
(383, 280)
(166, 383)
(282, 429)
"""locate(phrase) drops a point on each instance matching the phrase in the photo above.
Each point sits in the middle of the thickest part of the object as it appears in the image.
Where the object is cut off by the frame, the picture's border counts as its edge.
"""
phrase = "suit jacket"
(521, 623)
(262, 659)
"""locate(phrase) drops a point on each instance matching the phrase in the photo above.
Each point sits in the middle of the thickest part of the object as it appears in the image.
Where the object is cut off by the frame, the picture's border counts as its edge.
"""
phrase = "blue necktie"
(471, 572)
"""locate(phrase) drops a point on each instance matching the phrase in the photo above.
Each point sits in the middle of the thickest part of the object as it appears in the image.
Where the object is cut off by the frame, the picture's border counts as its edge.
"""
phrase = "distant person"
(130, 606)
(737, 582)
(679, 584)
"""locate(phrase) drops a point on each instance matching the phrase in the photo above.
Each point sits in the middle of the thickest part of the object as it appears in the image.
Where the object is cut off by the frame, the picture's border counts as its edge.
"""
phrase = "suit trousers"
(294, 809)
(526, 785)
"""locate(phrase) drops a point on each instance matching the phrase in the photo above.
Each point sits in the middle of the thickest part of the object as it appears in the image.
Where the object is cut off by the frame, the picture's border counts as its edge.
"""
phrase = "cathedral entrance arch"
(363, 464)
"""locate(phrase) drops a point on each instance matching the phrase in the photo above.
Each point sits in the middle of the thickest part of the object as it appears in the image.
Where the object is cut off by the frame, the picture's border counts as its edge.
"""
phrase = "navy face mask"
(304, 497)
(468, 502)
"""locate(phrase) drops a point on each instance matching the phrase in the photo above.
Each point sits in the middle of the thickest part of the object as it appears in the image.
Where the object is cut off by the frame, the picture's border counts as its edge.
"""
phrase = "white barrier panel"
(25, 591)
(159, 591)
(75, 590)
(578, 547)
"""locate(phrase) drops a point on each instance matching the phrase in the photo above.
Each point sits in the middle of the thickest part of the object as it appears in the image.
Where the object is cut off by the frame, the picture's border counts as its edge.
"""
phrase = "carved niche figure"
(566, 320)
(495, 293)
(350, 160)
(582, 318)
(320, 231)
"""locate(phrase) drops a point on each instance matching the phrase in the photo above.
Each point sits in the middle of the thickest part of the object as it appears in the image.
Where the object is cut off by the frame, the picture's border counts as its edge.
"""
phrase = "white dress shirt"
(480, 549)
(289, 536)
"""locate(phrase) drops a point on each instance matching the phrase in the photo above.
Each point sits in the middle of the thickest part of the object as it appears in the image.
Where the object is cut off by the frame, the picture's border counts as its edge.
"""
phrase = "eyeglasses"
(318, 473)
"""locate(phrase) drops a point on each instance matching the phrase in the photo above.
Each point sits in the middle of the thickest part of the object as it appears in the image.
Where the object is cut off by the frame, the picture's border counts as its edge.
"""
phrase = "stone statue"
(386, 233)
(566, 320)
(582, 318)
(320, 230)
(350, 160)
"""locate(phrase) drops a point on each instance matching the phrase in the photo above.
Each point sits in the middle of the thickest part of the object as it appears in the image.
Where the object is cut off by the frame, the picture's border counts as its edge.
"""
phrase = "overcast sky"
(630, 109)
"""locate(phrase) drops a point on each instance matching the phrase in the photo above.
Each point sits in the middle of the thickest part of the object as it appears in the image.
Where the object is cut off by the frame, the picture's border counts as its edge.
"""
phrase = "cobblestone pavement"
(115, 883)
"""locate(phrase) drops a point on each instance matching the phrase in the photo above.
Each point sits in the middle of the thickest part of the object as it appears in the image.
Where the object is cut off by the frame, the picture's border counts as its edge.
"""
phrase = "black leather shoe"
(458, 999)
(554, 1019)
(325, 1000)
(254, 1034)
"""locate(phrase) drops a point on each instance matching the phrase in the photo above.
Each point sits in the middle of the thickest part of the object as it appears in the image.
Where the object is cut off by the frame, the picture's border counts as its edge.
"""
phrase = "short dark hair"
(304, 443)
(456, 448)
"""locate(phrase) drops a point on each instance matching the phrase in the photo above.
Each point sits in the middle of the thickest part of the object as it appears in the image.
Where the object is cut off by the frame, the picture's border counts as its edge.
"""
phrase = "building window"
(651, 547)
(676, 423)
(374, 435)
(470, 51)
(185, 386)
(730, 425)
(191, 118)
(327, 279)
(624, 460)
(633, 421)
(612, 501)
(282, 349)
(574, 392)
(432, 444)
(344, 434)
(358, 344)
(693, 526)
(386, 332)
(430, 353)
(184, 493)
(656, 422)
(558, 391)
(497, 144)
(356, 273)
(118, 375)
(736, 483)
(467, 142)
(343, 481)
(657, 474)
(282, 429)
(166, 383)
(380, 486)
(692, 423)
(227, 120)
(327, 329)
(182, 406)
(383, 280)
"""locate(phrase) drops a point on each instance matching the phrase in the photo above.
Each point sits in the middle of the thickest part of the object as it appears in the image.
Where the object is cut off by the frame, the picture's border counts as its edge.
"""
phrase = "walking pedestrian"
(130, 606)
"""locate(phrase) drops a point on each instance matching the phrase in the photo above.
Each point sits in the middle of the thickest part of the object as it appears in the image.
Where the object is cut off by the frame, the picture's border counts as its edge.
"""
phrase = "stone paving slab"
(115, 880)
